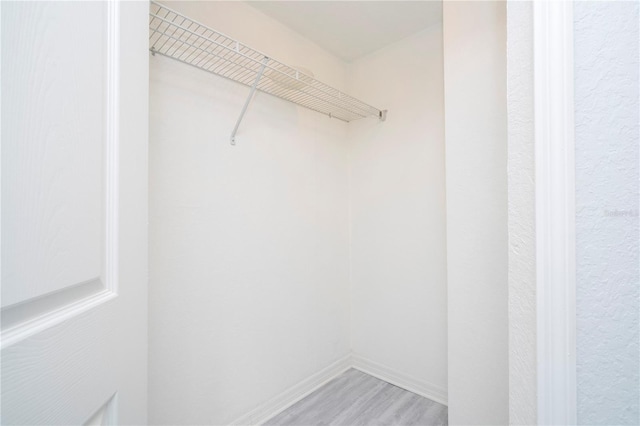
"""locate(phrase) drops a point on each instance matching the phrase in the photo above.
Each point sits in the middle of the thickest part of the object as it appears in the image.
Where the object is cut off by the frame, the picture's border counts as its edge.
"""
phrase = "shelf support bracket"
(246, 104)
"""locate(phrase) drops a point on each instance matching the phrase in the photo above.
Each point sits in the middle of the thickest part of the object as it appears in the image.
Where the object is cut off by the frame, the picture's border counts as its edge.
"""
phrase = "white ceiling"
(350, 29)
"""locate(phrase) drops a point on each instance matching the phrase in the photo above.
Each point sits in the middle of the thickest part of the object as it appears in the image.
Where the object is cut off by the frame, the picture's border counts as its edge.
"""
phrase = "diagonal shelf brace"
(246, 104)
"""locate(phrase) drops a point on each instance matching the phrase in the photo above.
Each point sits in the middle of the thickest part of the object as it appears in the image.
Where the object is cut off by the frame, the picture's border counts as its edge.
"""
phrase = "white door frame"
(555, 212)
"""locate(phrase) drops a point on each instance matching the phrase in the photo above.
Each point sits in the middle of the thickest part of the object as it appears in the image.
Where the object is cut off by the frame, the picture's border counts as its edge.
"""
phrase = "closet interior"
(316, 243)
(297, 204)
(263, 212)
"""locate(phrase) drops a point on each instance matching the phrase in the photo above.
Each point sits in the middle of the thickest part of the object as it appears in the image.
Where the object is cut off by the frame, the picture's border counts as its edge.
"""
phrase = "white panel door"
(74, 212)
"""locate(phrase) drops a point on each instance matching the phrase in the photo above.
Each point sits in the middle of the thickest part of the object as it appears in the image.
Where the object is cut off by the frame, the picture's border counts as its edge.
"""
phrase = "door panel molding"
(107, 414)
(26, 318)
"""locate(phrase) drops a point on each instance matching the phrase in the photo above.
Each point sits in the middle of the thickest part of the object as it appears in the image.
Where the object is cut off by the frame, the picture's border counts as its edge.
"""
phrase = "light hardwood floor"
(355, 398)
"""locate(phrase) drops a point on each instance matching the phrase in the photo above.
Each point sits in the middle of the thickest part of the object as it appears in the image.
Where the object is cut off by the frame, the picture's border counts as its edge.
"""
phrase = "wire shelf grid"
(178, 37)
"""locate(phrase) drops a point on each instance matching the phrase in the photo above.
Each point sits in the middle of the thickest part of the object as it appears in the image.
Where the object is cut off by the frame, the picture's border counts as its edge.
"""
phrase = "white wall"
(607, 226)
(251, 245)
(249, 285)
(521, 194)
(476, 181)
(398, 231)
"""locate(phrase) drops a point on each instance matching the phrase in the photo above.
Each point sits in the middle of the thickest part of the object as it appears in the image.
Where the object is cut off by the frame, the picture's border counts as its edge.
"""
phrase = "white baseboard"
(295, 393)
(428, 390)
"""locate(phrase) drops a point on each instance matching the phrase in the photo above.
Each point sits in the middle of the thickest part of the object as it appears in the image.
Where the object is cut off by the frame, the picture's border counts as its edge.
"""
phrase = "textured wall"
(606, 111)
(475, 69)
(398, 216)
(521, 169)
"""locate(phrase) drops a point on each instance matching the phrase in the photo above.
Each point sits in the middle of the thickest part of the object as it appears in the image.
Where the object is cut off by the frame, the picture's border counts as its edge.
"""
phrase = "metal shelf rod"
(252, 70)
(246, 104)
(179, 37)
(233, 50)
(153, 52)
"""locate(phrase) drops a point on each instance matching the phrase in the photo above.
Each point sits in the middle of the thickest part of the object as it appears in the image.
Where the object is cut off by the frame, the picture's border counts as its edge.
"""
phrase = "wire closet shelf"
(178, 37)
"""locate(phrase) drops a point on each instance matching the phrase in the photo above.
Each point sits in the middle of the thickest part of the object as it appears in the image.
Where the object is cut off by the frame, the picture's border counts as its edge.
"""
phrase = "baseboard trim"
(295, 393)
(404, 381)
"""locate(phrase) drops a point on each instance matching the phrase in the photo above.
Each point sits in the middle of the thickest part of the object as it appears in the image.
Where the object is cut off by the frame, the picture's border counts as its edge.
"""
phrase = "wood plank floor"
(355, 398)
